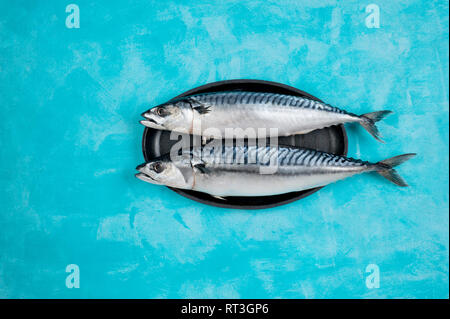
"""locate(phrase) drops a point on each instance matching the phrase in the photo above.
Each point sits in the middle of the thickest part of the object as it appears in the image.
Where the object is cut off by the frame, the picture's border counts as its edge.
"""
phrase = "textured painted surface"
(70, 101)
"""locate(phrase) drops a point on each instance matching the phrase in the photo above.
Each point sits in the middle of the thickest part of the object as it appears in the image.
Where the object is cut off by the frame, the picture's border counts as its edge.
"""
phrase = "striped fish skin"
(211, 114)
(292, 169)
(242, 170)
(289, 114)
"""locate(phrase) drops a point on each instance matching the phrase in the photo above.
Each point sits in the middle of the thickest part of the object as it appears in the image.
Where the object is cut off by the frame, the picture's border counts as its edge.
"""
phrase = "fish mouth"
(152, 120)
(147, 178)
(149, 116)
(152, 124)
(142, 168)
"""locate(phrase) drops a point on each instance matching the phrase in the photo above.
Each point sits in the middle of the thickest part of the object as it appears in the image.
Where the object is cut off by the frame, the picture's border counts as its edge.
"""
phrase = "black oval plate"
(332, 140)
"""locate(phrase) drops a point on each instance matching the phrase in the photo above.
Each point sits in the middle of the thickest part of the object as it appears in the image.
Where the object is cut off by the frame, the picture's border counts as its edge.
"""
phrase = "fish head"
(166, 172)
(171, 116)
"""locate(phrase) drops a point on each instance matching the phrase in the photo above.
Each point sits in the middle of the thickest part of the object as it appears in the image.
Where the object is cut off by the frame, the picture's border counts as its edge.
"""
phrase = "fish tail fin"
(368, 121)
(385, 168)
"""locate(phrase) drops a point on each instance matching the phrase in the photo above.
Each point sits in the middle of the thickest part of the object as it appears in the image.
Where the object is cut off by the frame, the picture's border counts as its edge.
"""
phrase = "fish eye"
(161, 111)
(157, 167)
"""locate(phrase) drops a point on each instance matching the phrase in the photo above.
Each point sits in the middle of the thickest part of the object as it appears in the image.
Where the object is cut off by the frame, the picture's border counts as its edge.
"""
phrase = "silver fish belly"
(271, 114)
(262, 171)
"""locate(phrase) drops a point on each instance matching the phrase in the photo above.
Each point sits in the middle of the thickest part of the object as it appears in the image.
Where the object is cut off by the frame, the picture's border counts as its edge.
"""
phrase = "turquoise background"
(70, 101)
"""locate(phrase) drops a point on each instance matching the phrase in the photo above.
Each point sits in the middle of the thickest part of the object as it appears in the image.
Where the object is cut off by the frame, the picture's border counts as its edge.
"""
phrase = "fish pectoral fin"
(199, 107)
(202, 168)
(202, 109)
